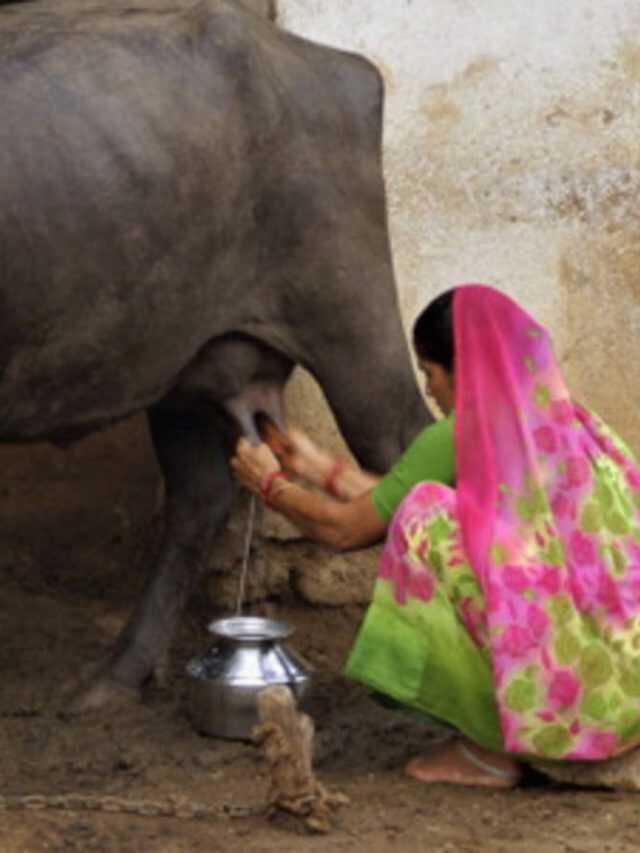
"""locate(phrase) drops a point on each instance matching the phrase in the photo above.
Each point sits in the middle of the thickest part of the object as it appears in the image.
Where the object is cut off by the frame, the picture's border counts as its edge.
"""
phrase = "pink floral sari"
(535, 557)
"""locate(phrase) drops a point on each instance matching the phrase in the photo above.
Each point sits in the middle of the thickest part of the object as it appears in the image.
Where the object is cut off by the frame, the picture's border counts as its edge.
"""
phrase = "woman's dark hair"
(433, 337)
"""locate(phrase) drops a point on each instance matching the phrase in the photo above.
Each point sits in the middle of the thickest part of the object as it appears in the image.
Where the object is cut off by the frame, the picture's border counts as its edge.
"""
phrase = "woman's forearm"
(344, 523)
(348, 482)
(341, 525)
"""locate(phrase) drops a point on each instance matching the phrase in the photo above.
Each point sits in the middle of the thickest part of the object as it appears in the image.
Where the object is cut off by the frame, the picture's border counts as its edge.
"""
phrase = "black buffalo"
(192, 203)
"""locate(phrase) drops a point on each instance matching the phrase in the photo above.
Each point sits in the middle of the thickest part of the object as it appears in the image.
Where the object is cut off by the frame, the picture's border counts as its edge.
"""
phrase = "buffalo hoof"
(103, 694)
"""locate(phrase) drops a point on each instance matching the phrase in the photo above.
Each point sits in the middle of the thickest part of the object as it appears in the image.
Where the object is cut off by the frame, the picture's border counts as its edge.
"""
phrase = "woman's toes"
(456, 763)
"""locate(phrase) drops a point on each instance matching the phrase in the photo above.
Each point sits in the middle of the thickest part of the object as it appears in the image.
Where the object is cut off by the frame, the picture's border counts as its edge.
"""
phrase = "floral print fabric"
(539, 547)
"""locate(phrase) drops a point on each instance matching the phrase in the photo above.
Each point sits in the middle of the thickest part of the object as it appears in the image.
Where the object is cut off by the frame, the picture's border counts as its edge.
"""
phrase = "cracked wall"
(512, 157)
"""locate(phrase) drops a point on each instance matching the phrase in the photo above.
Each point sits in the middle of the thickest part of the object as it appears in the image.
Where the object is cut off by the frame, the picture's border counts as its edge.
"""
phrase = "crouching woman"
(508, 597)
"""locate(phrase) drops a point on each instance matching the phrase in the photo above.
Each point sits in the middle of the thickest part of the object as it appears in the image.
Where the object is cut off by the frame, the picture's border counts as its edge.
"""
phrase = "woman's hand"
(298, 453)
(351, 522)
(253, 464)
(305, 459)
(333, 474)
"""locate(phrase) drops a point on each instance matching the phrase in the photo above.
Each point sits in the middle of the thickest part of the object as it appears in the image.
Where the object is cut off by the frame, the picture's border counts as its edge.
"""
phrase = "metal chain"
(173, 806)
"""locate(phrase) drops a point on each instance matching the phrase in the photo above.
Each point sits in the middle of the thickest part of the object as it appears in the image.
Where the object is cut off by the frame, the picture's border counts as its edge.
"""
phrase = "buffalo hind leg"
(193, 444)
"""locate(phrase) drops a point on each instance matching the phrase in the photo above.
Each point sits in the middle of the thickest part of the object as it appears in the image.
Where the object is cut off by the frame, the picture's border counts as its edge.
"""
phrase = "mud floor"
(66, 587)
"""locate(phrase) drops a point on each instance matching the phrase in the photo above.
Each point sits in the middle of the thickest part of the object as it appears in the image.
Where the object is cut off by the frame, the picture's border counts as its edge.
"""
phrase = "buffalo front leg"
(192, 447)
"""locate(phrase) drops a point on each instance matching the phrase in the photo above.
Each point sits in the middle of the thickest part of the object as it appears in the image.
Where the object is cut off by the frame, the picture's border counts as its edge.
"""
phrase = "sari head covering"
(548, 502)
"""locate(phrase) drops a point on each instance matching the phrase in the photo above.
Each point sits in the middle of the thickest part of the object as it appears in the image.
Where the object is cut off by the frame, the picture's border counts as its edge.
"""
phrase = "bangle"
(267, 484)
(338, 468)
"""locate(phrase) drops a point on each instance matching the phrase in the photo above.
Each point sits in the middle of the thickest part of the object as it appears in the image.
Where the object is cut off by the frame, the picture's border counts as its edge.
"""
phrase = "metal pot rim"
(249, 629)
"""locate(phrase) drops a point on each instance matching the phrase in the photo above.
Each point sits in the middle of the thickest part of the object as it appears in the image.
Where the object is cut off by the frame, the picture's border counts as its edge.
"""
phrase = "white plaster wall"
(512, 156)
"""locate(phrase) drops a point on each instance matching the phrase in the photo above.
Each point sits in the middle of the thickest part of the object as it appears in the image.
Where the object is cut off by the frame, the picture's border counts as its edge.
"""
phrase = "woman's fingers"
(278, 440)
(294, 450)
(253, 463)
(307, 459)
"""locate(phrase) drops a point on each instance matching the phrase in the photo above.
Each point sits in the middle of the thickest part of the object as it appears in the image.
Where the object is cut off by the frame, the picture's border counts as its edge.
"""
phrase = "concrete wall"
(512, 156)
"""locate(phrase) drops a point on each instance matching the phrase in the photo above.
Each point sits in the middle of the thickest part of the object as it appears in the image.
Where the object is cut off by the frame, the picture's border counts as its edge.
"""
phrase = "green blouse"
(431, 456)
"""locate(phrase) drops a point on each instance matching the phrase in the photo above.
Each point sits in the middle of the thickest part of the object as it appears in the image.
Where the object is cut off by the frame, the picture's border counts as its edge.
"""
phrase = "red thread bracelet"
(267, 484)
(338, 467)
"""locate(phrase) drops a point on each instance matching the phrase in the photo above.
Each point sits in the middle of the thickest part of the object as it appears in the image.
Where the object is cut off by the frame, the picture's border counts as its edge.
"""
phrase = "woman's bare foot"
(459, 761)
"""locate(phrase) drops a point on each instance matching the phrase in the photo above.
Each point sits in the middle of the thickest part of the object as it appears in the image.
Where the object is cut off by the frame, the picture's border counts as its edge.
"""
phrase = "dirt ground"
(71, 567)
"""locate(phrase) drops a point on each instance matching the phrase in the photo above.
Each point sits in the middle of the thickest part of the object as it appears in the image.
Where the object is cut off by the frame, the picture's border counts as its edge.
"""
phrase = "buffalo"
(192, 203)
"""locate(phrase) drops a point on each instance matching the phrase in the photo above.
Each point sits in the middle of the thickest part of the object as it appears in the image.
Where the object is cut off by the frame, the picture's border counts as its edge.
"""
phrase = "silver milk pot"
(248, 655)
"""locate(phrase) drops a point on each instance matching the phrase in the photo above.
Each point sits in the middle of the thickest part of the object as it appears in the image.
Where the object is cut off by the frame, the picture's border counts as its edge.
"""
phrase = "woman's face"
(438, 384)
